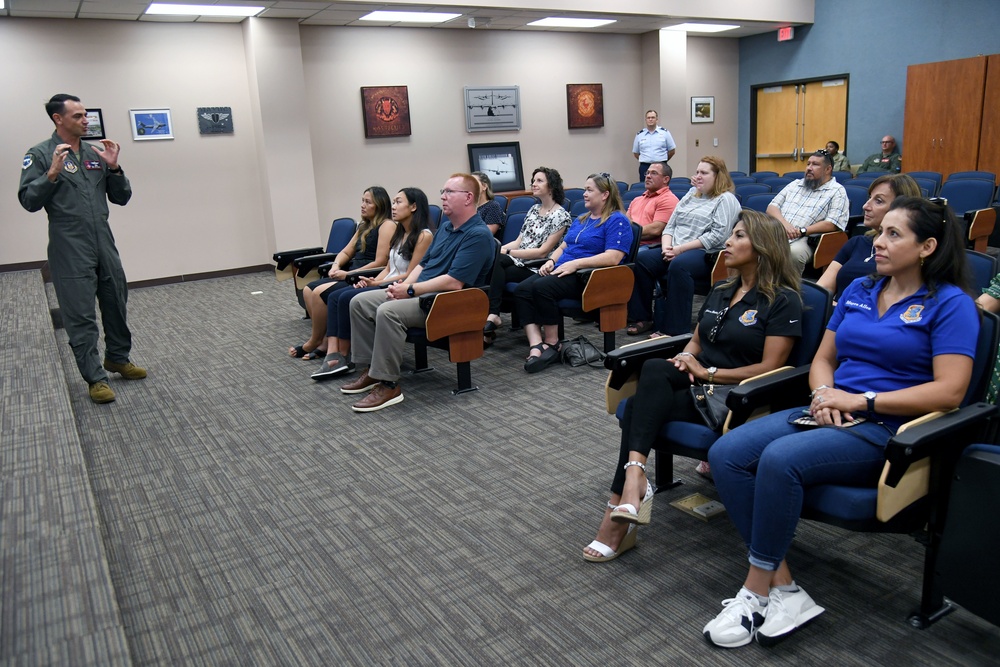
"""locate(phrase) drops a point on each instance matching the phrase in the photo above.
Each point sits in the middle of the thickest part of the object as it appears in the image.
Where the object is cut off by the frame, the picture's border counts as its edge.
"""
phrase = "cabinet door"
(944, 112)
(989, 141)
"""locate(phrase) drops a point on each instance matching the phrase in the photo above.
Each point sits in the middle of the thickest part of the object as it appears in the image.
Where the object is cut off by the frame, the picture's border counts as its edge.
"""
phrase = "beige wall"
(299, 157)
(435, 65)
(196, 205)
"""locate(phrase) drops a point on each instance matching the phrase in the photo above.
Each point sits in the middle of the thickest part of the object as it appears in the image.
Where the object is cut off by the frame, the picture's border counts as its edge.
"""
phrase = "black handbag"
(580, 351)
(710, 402)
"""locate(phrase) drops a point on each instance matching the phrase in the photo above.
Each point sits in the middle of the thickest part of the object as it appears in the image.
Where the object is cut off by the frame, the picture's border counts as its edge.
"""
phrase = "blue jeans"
(338, 313)
(761, 469)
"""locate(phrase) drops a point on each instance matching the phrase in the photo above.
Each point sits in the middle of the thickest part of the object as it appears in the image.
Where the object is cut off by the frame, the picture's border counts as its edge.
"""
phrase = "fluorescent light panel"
(409, 17)
(702, 27)
(164, 9)
(562, 22)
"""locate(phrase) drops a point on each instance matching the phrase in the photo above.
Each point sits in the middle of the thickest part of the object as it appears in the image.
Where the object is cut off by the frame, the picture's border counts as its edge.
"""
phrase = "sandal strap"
(611, 505)
(635, 463)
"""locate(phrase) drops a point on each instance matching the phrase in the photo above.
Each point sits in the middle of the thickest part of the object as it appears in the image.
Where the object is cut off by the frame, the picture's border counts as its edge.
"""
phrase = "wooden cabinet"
(944, 120)
(989, 141)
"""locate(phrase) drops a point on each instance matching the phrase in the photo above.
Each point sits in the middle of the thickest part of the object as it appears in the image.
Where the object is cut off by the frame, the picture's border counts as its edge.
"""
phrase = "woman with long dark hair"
(409, 242)
(900, 344)
(369, 247)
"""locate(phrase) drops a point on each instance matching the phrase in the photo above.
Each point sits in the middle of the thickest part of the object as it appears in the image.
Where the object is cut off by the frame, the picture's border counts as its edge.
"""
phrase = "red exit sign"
(786, 34)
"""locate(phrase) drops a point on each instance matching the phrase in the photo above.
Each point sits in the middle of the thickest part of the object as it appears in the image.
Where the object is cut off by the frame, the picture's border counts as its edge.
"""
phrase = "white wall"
(713, 70)
(435, 65)
(195, 205)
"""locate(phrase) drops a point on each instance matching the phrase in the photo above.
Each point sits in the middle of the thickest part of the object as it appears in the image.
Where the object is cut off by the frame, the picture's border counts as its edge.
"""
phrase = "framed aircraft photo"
(488, 109)
(150, 124)
(501, 162)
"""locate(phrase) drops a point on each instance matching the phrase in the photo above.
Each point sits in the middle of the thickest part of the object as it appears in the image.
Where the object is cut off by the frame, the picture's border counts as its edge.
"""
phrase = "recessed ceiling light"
(164, 9)
(409, 17)
(702, 27)
(561, 22)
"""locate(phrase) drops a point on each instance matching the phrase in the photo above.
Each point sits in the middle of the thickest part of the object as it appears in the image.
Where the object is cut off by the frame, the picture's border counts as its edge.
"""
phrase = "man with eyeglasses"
(815, 204)
(888, 160)
(461, 255)
(652, 144)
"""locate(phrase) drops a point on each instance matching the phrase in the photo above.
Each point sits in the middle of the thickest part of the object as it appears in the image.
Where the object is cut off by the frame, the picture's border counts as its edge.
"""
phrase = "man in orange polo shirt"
(651, 210)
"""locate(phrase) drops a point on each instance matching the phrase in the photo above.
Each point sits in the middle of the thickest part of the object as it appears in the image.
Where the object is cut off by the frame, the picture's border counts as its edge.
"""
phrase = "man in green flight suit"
(888, 159)
(73, 181)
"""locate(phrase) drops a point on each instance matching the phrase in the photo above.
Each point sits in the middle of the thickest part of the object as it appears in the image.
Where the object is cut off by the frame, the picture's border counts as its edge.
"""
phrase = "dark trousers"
(661, 396)
(504, 271)
(338, 311)
(538, 297)
(643, 167)
(677, 280)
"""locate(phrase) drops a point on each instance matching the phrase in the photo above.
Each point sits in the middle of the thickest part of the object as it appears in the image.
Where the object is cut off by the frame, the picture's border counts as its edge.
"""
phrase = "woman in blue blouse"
(899, 345)
(855, 259)
(600, 237)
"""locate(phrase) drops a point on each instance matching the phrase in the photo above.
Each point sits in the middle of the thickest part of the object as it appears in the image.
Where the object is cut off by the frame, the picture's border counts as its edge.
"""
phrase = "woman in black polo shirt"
(746, 327)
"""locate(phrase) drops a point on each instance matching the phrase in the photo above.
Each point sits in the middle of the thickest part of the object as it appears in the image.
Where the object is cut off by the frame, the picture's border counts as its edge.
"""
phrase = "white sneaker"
(738, 621)
(786, 613)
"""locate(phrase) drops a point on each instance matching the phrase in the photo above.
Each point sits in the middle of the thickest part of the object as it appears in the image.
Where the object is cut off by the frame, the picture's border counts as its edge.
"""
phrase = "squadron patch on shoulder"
(27, 161)
(911, 314)
(71, 167)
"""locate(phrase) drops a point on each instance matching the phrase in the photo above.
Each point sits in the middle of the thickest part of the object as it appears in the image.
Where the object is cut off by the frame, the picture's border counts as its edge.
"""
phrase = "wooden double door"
(793, 120)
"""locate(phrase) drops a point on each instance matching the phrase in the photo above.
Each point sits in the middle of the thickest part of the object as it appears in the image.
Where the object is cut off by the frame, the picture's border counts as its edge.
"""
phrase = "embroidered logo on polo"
(71, 167)
(911, 314)
(27, 162)
(748, 318)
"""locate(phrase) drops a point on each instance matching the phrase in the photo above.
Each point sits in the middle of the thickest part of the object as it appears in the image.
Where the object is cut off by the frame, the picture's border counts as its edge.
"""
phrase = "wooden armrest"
(459, 311)
(827, 247)
(608, 290)
(906, 476)
(719, 270)
(624, 364)
(981, 224)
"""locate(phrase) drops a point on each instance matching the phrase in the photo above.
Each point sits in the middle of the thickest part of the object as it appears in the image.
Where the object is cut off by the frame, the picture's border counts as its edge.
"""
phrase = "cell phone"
(808, 420)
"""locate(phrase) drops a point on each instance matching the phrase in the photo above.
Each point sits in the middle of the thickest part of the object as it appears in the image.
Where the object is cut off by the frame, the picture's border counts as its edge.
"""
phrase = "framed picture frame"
(585, 105)
(501, 161)
(703, 109)
(214, 120)
(95, 127)
(386, 110)
(492, 108)
(151, 124)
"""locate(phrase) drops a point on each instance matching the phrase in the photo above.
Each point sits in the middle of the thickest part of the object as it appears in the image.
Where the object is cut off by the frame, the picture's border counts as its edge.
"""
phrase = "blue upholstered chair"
(758, 202)
(521, 204)
(983, 268)
(305, 261)
(968, 194)
(931, 176)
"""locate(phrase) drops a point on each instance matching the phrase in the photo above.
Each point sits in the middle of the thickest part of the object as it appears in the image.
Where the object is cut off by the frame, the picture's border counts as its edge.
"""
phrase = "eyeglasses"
(446, 191)
(714, 332)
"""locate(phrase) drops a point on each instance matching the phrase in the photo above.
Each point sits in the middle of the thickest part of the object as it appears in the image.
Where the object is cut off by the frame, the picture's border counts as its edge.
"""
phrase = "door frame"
(791, 82)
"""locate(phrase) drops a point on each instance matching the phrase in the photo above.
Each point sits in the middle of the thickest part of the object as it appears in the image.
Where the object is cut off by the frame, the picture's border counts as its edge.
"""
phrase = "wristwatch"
(410, 292)
(870, 397)
(803, 231)
(712, 370)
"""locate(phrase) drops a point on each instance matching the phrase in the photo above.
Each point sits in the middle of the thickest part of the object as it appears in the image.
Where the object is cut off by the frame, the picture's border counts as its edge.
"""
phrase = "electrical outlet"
(697, 143)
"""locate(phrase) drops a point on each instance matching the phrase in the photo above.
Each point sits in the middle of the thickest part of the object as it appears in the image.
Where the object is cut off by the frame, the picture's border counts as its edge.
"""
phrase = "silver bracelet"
(812, 394)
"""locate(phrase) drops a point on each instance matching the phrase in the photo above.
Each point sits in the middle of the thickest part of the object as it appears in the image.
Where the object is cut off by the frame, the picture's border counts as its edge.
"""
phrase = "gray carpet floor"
(249, 517)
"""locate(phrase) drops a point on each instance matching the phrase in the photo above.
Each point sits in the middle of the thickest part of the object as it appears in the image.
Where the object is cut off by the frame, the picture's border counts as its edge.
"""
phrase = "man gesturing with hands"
(74, 181)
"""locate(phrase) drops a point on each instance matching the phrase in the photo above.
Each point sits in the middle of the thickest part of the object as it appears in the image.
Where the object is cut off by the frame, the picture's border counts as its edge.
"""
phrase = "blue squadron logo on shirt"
(71, 167)
(911, 314)
(27, 162)
(749, 318)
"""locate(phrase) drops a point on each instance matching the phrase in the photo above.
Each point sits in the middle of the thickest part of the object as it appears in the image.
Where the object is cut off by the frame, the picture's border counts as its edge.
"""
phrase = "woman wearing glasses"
(600, 237)
(746, 327)
(900, 344)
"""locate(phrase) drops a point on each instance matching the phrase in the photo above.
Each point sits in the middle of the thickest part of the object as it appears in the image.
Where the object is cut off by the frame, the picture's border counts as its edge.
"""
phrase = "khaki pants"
(378, 332)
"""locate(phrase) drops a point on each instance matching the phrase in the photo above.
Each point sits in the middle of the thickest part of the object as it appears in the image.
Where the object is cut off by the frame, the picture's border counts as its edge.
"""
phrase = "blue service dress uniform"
(82, 255)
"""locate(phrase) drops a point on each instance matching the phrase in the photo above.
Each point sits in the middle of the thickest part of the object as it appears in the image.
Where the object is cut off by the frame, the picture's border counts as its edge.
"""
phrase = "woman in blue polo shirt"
(899, 345)
(600, 237)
